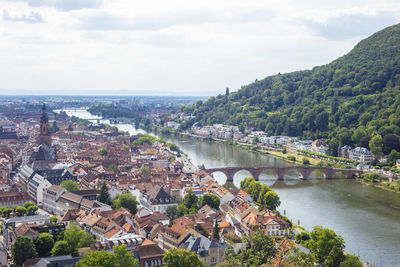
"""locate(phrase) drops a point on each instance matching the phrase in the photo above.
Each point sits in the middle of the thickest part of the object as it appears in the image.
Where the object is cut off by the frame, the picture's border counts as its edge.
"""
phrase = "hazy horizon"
(155, 47)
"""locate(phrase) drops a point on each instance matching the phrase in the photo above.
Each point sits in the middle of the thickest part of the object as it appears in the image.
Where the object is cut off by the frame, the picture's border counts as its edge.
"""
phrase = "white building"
(361, 154)
(36, 185)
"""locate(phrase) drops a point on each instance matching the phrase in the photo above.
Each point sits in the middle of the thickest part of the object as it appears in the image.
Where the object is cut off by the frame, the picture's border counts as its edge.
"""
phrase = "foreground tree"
(258, 250)
(22, 249)
(351, 261)
(120, 258)
(126, 201)
(60, 248)
(44, 244)
(335, 257)
(323, 241)
(77, 238)
(182, 258)
(70, 185)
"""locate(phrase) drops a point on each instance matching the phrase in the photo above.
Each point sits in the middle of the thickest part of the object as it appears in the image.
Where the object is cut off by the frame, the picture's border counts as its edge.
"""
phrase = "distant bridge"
(280, 172)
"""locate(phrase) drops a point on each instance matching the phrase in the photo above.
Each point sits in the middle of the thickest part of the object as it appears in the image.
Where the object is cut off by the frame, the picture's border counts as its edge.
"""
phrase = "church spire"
(44, 118)
(44, 136)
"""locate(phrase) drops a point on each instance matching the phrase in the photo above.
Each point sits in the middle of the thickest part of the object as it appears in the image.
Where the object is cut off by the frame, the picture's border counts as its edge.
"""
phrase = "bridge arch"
(240, 175)
(268, 176)
(220, 177)
(294, 173)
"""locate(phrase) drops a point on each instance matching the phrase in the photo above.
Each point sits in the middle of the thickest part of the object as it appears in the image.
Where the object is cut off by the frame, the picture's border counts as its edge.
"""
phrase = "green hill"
(354, 97)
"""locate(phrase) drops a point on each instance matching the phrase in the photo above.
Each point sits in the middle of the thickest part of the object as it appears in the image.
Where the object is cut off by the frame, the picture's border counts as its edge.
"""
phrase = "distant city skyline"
(124, 47)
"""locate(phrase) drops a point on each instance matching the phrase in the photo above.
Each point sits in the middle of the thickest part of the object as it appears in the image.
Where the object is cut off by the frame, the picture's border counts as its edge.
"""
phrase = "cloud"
(347, 26)
(107, 21)
(33, 17)
(65, 5)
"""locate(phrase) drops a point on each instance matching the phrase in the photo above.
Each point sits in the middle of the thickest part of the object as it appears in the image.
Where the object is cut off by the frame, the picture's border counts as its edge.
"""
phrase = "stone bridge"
(280, 172)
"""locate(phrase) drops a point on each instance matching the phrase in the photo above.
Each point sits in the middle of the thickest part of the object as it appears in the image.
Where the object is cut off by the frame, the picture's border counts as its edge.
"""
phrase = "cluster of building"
(150, 233)
(291, 144)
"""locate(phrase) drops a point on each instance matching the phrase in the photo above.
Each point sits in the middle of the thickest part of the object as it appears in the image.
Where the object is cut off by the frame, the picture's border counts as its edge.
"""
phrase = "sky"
(174, 47)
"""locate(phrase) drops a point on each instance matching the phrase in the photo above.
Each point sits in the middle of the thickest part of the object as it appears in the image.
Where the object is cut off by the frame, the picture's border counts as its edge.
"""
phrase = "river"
(368, 218)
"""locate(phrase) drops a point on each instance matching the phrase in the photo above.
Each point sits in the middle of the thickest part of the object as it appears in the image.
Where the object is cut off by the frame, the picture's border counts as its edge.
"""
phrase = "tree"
(124, 258)
(335, 257)
(322, 241)
(70, 185)
(28, 204)
(54, 128)
(97, 259)
(23, 249)
(20, 210)
(271, 200)
(31, 210)
(190, 199)
(364, 141)
(120, 258)
(375, 145)
(60, 248)
(172, 212)
(44, 244)
(181, 258)
(351, 261)
(216, 231)
(305, 161)
(209, 199)
(103, 152)
(390, 142)
(77, 238)
(258, 249)
(145, 170)
(53, 219)
(7, 211)
(182, 210)
(126, 201)
(114, 168)
(104, 196)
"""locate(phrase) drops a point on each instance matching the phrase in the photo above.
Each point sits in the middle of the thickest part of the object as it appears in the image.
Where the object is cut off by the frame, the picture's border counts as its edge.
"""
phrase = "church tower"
(44, 136)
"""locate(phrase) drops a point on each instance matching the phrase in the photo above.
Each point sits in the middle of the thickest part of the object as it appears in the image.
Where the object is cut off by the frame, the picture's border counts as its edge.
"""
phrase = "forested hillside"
(354, 97)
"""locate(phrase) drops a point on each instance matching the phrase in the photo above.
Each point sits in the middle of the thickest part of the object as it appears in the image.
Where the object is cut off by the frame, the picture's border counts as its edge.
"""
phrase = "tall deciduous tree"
(322, 241)
(181, 258)
(77, 238)
(209, 199)
(190, 200)
(23, 249)
(126, 201)
(120, 258)
(271, 200)
(60, 248)
(375, 145)
(44, 244)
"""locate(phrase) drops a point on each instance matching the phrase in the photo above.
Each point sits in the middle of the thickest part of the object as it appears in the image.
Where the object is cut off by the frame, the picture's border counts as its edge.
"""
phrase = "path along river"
(367, 218)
